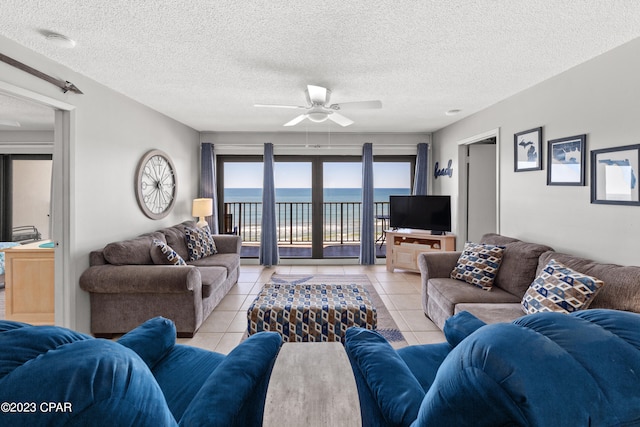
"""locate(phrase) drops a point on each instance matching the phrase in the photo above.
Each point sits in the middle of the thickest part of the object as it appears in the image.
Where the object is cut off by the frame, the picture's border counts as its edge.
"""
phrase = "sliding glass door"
(318, 202)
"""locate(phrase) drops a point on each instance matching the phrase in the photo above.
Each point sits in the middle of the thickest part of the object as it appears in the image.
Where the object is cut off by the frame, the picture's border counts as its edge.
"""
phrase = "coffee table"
(311, 312)
(312, 384)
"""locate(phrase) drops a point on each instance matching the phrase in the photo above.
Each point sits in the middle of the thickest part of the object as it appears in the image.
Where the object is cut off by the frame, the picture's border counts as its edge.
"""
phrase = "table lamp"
(202, 208)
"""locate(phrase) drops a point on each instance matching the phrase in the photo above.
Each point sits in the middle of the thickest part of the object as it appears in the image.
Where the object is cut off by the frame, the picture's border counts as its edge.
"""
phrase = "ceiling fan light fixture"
(317, 116)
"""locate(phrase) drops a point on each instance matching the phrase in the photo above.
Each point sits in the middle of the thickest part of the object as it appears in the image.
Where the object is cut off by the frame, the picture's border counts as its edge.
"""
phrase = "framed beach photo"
(566, 158)
(527, 149)
(614, 175)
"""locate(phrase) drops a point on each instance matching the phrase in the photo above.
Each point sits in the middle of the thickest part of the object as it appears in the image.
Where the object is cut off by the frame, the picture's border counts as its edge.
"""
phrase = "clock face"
(156, 184)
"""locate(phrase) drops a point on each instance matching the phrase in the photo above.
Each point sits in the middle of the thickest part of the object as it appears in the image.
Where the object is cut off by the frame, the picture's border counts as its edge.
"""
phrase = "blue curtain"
(421, 175)
(208, 182)
(269, 239)
(367, 242)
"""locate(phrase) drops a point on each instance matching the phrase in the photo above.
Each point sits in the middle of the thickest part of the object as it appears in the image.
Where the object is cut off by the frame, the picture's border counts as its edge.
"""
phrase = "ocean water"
(304, 194)
(340, 222)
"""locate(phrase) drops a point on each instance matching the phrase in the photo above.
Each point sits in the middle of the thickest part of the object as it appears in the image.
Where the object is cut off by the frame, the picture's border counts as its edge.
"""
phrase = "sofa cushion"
(503, 374)
(175, 237)
(559, 288)
(200, 243)
(519, 262)
(622, 289)
(105, 383)
(229, 261)
(212, 277)
(493, 312)
(163, 254)
(181, 374)
(446, 293)
(152, 340)
(478, 264)
(132, 252)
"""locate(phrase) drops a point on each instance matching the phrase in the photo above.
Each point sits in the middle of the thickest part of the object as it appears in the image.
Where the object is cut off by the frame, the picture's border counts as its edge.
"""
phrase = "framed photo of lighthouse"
(527, 149)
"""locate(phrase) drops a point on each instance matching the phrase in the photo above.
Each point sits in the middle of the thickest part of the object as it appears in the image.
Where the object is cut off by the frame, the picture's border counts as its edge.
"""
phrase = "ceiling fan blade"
(318, 94)
(295, 121)
(340, 119)
(278, 106)
(356, 105)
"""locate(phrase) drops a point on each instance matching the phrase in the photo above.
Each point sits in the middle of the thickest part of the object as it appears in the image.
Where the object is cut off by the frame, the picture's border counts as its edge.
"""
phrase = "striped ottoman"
(315, 312)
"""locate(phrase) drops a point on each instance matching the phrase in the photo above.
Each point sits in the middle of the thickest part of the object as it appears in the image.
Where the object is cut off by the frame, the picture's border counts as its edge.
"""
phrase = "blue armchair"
(542, 369)
(57, 377)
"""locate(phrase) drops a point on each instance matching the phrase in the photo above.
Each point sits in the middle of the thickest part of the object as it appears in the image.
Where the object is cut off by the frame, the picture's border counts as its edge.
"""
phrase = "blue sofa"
(546, 369)
(57, 377)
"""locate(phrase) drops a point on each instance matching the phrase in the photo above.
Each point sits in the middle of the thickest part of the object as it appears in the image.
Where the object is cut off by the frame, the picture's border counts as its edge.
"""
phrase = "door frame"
(462, 181)
(62, 223)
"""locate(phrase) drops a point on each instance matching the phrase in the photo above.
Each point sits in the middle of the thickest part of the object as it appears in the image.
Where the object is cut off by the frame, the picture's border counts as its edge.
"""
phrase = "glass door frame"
(317, 182)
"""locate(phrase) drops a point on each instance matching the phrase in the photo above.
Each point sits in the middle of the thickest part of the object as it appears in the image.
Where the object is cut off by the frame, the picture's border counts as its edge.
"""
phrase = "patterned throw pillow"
(478, 264)
(559, 288)
(161, 253)
(199, 242)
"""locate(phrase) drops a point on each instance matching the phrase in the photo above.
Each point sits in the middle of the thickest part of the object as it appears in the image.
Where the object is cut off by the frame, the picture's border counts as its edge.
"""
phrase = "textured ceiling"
(205, 63)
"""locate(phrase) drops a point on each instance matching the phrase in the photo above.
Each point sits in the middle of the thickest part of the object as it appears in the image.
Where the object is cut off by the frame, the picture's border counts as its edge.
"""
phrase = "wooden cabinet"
(403, 247)
(29, 284)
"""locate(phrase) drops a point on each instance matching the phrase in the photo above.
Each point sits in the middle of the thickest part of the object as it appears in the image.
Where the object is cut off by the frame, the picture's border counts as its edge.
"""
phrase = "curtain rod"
(336, 145)
(64, 85)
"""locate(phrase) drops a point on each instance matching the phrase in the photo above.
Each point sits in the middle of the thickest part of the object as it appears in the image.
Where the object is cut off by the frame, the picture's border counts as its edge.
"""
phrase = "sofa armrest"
(389, 392)
(235, 392)
(228, 243)
(118, 279)
(437, 264)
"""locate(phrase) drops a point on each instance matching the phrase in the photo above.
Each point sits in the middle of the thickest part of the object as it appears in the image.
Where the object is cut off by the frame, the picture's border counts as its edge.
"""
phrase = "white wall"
(598, 98)
(109, 134)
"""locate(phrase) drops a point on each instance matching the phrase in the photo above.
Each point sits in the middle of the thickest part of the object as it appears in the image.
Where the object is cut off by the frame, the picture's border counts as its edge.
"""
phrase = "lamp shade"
(202, 207)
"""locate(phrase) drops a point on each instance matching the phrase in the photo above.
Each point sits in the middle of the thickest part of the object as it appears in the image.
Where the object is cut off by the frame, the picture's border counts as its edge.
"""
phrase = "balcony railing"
(340, 221)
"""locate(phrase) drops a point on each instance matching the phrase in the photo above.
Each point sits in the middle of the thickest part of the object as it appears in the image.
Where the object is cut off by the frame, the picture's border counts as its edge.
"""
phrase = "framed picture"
(614, 175)
(566, 158)
(527, 149)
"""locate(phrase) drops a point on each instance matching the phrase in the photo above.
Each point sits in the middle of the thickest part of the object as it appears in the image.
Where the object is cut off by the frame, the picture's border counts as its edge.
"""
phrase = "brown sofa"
(443, 297)
(127, 287)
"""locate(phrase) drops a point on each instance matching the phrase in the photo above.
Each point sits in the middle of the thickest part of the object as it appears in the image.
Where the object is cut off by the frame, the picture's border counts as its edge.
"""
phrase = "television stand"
(404, 246)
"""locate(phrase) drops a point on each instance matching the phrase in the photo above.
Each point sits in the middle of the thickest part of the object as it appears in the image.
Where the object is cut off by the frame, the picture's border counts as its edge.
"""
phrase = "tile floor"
(400, 292)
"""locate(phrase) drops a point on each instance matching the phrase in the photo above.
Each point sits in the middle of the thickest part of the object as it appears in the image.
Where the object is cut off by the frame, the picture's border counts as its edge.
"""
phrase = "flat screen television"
(420, 212)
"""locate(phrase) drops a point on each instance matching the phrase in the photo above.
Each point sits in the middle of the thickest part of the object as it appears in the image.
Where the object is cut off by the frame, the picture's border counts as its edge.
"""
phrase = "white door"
(481, 190)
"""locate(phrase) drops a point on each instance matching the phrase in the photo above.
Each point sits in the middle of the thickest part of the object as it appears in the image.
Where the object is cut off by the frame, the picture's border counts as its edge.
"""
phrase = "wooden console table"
(29, 284)
(404, 246)
(312, 384)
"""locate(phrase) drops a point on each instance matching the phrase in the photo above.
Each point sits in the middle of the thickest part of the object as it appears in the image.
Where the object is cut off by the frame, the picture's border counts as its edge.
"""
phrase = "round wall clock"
(156, 184)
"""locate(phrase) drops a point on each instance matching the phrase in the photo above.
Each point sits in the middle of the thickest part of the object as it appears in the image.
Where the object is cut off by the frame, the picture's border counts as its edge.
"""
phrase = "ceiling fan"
(318, 108)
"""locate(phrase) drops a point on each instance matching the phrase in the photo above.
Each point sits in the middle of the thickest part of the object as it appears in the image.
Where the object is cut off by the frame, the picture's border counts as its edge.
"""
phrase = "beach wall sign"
(448, 171)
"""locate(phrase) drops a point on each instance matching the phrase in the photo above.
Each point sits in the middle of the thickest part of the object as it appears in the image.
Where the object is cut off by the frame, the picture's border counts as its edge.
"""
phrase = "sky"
(335, 174)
